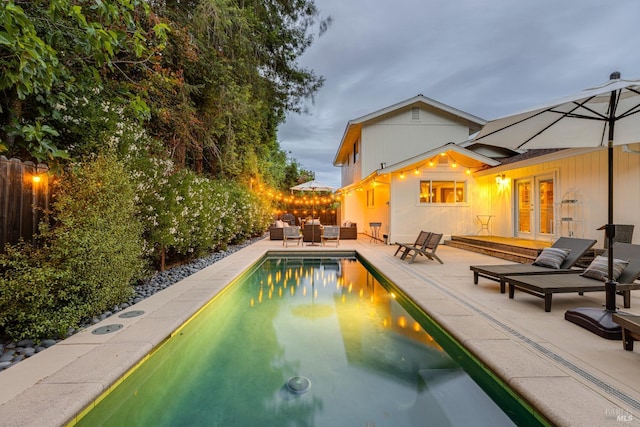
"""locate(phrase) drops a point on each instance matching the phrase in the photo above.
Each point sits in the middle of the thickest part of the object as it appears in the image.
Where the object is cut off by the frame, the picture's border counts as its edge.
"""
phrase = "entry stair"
(517, 250)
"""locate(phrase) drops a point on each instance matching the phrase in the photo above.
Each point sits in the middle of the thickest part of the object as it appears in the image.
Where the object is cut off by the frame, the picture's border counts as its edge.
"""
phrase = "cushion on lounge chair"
(578, 248)
(544, 286)
(552, 257)
(599, 268)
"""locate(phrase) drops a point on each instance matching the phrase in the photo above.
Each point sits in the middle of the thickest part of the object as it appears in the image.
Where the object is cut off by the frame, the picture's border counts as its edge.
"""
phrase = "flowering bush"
(184, 214)
(199, 215)
(109, 217)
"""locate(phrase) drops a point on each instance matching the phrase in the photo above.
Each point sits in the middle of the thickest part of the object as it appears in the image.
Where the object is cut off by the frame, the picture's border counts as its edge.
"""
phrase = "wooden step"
(528, 248)
(498, 250)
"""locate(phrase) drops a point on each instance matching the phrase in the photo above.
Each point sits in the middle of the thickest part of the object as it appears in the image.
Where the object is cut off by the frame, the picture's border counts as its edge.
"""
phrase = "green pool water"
(308, 342)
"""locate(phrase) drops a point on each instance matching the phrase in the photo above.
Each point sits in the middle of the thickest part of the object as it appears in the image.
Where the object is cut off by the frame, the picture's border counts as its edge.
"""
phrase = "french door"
(534, 213)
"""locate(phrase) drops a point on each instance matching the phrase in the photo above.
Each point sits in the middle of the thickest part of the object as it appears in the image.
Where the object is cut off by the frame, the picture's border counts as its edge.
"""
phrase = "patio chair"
(623, 233)
(577, 247)
(544, 286)
(291, 233)
(428, 249)
(420, 240)
(332, 233)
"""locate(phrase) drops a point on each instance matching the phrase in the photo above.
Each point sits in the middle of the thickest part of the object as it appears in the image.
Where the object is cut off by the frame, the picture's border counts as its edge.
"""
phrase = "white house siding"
(398, 138)
(351, 208)
(353, 171)
(410, 216)
(354, 208)
(584, 173)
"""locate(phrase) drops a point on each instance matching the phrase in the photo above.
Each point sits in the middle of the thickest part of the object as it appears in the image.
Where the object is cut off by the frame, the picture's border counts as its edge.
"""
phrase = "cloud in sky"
(488, 58)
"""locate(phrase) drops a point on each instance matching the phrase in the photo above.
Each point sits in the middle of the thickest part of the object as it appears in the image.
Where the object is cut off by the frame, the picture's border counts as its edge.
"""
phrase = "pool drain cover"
(299, 385)
(106, 329)
(132, 313)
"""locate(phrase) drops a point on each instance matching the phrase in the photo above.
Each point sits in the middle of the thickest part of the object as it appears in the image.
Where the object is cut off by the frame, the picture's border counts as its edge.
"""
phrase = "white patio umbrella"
(312, 186)
(602, 116)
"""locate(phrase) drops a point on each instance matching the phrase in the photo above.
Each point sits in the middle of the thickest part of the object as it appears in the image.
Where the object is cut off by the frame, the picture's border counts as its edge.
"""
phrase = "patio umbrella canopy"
(312, 186)
(602, 116)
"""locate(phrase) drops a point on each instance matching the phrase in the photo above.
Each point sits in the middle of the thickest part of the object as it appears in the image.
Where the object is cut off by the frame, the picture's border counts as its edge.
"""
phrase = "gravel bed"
(12, 352)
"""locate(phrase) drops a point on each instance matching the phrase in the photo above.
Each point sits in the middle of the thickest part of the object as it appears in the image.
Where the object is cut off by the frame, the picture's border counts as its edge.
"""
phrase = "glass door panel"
(545, 209)
(523, 206)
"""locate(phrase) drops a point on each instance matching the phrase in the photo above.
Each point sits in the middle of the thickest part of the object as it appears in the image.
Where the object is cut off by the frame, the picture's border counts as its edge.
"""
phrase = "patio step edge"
(527, 251)
(497, 251)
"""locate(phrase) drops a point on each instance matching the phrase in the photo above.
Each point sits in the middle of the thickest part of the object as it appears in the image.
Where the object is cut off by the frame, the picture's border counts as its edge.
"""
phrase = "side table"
(375, 231)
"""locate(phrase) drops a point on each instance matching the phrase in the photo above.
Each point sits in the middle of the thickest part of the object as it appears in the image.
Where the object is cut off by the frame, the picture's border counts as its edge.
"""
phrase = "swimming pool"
(317, 342)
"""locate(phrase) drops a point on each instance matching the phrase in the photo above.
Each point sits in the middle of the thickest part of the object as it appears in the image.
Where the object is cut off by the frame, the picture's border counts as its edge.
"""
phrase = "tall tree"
(61, 60)
(212, 79)
(241, 76)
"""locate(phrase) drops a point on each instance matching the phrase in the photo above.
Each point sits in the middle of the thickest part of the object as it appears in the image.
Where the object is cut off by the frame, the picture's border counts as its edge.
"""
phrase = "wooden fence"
(24, 199)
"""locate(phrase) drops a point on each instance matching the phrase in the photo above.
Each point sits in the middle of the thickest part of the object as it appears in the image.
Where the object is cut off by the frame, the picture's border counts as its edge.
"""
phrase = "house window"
(449, 192)
(355, 152)
(370, 202)
(415, 113)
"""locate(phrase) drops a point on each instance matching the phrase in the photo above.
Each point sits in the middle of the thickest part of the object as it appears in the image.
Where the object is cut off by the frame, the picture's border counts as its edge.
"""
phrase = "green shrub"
(89, 258)
(36, 298)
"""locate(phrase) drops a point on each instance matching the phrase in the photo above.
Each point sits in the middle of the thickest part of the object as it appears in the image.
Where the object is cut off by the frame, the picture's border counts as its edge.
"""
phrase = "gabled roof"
(465, 158)
(354, 127)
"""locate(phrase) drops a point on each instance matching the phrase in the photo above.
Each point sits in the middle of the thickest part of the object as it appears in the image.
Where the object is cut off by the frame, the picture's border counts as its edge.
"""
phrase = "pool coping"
(53, 386)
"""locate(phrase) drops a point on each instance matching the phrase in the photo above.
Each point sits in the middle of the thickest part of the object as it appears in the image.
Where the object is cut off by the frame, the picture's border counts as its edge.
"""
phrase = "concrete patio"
(571, 376)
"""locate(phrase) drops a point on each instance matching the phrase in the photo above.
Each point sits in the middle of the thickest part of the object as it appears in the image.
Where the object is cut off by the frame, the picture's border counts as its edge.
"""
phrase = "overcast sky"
(489, 58)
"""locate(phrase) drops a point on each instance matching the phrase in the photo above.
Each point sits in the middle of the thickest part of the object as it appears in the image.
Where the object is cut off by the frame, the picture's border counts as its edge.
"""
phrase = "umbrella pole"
(610, 284)
(313, 217)
(600, 321)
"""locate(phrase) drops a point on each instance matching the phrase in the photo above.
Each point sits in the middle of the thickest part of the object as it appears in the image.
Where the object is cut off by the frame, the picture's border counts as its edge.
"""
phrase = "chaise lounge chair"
(630, 328)
(428, 249)
(545, 285)
(420, 240)
(577, 247)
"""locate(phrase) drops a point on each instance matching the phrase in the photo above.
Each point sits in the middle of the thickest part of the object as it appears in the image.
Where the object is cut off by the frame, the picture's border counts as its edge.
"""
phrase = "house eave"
(558, 155)
(354, 127)
(426, 156)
